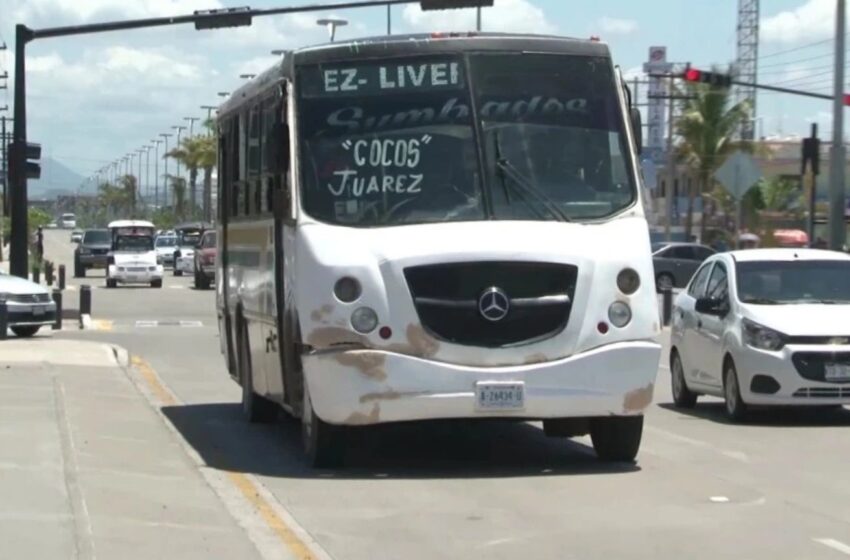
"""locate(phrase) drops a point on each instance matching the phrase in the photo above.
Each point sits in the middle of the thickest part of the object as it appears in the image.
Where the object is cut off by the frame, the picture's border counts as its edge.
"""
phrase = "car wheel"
(255, 408)
(111, 283)
(25, 331)
(156, 283)
(616, 438)
(664, 282)
(682, 396)
(203, 282)
(736, 408)
(178, 272)
(323, 442)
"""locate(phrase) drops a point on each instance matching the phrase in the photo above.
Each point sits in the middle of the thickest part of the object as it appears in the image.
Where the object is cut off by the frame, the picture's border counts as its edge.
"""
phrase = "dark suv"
(92, 251)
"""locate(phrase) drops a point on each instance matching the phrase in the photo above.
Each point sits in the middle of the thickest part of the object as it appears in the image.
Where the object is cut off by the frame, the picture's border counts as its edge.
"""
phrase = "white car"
(764, 327)
(68, 221)
(29, 305)
(165, 246)
(133, 259)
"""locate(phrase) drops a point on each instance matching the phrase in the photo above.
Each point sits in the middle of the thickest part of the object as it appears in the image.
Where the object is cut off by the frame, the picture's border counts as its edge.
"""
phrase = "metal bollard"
(85, 299)
(666, 306)
(36, 275)
(57, 299)
(4, 317)
(61, 276)
(48, 276)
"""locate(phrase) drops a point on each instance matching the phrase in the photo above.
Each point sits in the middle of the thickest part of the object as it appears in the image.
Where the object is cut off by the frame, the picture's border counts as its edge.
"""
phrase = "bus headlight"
(619, 313)
(347, 289)
(364, 320)
(628, 281)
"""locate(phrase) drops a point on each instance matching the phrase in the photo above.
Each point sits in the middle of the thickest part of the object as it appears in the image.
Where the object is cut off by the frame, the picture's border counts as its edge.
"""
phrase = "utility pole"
(389, 19)
(478, 18)
(671, 171)
(837, 231)
(810, 168)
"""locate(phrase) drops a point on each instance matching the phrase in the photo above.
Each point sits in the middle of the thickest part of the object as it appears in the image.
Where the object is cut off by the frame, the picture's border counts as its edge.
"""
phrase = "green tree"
(207, 159)
(178, 189)
(780, 195)
(707, 130)
(192, 153)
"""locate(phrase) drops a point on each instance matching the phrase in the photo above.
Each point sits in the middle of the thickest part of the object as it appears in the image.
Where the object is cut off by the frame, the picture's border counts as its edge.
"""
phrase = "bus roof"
(130, 223)
(410, 45)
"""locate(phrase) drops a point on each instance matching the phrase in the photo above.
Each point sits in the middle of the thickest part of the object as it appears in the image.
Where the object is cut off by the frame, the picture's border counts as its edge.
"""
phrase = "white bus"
(68, 221)
(438, 227)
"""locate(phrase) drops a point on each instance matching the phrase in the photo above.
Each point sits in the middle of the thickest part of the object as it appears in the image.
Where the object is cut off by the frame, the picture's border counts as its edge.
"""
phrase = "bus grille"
(448, 300)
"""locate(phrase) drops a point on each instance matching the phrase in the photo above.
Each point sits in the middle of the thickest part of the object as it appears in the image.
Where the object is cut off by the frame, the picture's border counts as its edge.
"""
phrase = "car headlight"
(619, 313)
(628, 281)
(364, 320)
(761, 337)
(347, 289)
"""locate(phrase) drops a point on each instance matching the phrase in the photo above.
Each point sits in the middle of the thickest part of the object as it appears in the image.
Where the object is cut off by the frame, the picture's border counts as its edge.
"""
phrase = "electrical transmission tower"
(746, 62)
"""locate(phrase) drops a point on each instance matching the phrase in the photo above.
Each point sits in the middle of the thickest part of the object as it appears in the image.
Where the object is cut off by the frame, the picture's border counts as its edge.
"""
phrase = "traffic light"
(711, 78)
(32, 154)
(430, 5)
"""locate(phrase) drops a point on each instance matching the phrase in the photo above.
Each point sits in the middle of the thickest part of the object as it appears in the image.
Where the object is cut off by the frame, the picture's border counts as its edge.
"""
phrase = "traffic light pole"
(18, 252)
(837, 157)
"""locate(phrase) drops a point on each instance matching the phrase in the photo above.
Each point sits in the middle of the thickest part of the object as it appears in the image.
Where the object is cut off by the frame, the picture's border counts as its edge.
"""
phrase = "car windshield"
(209, 240)
(134, 243)
(800, 281)
(166, 241)
(96, 236)
(190, 239)
(394, 142)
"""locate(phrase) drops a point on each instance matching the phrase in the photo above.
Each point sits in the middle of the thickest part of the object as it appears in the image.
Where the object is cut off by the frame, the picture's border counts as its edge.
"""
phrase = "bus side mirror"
(637, 128)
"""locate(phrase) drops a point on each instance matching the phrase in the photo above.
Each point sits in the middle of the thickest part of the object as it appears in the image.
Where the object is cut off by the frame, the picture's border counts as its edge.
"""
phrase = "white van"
(68, 221)
(132, 258)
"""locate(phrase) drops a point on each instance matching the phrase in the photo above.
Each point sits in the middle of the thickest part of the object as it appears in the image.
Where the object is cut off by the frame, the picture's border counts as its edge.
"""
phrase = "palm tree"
(178, 187)
(129, 187)
(707, 130)
(207, 159)
(189, 153)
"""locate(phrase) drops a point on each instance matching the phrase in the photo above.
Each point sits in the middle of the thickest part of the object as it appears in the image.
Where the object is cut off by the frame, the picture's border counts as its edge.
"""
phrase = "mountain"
(56, 179)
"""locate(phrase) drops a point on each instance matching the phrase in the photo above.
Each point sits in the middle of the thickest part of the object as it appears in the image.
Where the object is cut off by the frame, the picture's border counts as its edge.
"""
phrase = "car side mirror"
(712, 306)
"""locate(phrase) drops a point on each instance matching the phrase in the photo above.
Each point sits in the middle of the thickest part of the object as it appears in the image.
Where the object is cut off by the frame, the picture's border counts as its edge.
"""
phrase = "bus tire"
(616, 438)
(323, 442)
(255, 408)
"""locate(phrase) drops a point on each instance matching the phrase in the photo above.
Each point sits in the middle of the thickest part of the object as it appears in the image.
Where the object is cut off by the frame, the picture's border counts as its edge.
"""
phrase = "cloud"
(811, 21)
(505, 15)
(616, 26)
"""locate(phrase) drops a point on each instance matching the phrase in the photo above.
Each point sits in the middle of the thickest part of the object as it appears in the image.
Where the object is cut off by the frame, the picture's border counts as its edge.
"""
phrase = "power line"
(796, 61)
(795, 49)
(803, 78)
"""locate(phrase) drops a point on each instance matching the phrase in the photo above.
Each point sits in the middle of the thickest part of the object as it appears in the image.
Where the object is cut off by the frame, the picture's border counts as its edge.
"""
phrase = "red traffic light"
(692, 75)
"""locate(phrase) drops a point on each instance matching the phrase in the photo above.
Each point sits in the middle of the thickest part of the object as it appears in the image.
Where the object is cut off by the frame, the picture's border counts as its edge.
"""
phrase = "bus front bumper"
(357, 387)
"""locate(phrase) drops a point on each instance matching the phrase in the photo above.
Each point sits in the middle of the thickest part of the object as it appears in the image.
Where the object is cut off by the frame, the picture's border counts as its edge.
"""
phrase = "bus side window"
(253, 202)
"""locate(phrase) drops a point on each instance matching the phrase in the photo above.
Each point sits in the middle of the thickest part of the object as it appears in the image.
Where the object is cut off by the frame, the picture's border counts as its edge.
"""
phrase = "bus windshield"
(395, 142)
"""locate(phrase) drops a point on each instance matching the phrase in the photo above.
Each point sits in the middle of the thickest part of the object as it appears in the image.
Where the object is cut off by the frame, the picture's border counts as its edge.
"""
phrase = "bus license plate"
(836, 372)
(500, 395)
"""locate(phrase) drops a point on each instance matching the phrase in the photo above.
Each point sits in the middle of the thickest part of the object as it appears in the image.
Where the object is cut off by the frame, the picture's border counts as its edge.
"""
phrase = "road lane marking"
(719, 499)
(102, 324)
(251, 504)
(739, 456)
(155, 323)
(834, 545)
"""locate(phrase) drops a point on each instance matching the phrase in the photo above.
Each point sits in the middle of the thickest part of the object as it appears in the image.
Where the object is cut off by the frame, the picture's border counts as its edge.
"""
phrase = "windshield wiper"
(506, 168)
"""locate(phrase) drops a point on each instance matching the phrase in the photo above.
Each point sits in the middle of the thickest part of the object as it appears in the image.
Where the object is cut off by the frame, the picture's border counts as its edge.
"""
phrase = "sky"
(93, 99)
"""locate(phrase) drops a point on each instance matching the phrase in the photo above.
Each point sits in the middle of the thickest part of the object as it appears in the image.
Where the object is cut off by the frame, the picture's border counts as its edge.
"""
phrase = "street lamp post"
(332, 24)
(165, 136)
(209, 109)
(138, 193)
(155, 143)
(191, 124)
(147, 150)
(179, 129)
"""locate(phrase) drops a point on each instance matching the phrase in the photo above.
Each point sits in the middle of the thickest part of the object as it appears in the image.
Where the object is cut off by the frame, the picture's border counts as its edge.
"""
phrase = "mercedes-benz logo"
(494, 304)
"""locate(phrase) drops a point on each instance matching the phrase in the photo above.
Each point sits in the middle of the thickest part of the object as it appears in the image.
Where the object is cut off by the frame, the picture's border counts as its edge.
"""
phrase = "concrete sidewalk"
(88, 468)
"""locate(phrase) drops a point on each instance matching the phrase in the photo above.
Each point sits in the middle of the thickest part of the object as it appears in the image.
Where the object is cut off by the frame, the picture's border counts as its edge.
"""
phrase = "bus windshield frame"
(361, 149)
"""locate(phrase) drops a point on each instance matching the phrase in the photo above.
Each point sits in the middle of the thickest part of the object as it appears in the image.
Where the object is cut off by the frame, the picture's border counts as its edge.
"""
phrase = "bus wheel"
(255, 408)
(616, 438)
(323, 442)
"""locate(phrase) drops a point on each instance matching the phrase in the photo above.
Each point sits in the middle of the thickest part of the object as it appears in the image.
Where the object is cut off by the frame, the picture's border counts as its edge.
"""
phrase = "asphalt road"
(776, 487)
